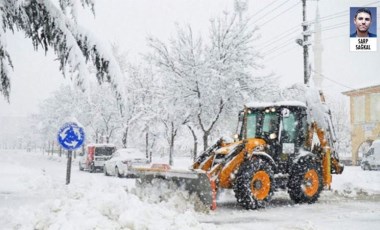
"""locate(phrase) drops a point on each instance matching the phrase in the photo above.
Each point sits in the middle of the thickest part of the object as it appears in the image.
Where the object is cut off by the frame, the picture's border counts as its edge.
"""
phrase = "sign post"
(68, 168)
(70, 136)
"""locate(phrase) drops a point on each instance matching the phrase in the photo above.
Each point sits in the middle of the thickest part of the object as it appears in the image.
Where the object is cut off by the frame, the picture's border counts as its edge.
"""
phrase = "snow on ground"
(33, 195)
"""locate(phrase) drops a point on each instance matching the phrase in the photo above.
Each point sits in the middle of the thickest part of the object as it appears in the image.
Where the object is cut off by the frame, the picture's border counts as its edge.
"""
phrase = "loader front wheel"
(305, 183)
(117, 173)
(253, 185)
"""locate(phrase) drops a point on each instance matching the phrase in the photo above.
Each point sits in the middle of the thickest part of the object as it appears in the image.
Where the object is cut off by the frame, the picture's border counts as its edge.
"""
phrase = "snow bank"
(90, 201)
(357, 183)
(33, 195)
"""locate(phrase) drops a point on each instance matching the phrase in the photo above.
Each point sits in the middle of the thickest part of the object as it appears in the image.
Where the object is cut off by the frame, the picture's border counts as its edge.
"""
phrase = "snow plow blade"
(193, 181)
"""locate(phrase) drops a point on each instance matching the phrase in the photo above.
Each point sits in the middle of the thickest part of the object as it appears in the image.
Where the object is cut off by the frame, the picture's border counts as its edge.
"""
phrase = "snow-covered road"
(33, 195)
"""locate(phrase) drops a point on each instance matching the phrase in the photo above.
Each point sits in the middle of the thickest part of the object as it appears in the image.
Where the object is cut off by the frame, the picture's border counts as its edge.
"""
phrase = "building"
(365, 119)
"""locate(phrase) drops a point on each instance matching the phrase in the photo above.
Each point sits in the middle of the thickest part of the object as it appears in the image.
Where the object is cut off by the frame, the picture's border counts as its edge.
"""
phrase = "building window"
(359, 109)
(375, 107)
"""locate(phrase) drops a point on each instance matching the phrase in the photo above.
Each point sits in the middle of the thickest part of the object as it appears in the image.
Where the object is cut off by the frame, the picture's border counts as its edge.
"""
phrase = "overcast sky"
(128, 22)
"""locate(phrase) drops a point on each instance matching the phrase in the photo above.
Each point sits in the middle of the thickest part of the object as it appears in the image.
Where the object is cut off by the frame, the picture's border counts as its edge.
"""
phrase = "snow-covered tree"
(54, 111)
(210, 78)
(149, 111)
(106, 118)
(97, 112)
(51, 26)
(173, 117)
(341, 121)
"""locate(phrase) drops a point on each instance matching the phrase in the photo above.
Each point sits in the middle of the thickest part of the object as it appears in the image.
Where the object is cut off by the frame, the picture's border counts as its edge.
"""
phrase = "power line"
(292, 39)
(335, 26)
(327, 19)
(285, 34)
(281, 53)
(273, 9)
(288, 9)
(271, 56)
(280, 37)
(336, 82)
(338, 24)
(344, 12)
(284, 44)
(335, 36)
(332, 16)
(263, 9)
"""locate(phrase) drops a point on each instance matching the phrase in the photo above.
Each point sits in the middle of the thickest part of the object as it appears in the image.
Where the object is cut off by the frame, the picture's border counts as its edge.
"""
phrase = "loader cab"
(282, 126)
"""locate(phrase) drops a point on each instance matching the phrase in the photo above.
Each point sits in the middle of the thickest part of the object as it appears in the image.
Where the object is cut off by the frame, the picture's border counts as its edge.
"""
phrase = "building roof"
(366, 90)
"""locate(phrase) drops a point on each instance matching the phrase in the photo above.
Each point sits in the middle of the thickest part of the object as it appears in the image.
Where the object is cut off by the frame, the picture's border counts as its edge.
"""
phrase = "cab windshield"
(262, 123)
(104, 151)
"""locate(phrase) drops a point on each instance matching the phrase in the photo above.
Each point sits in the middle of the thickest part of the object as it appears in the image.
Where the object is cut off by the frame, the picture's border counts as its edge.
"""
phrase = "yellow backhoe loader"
(281, 145)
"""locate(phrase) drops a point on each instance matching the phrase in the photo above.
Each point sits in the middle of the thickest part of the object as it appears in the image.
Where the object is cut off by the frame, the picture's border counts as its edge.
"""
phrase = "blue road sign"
(71, 136)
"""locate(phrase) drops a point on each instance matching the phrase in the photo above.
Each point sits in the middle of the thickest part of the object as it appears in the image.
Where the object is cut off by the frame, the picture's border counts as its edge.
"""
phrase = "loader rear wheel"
(305, 183)
(253, 185)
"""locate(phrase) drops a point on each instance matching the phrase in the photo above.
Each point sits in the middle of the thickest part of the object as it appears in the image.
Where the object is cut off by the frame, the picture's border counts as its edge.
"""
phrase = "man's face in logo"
(362, 21)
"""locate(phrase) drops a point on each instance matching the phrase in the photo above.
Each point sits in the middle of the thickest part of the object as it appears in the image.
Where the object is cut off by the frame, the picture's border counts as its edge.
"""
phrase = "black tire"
(105, 171)
(253, 185)
(80, 167)
(117, 174)
(92, 168)
(305, 182)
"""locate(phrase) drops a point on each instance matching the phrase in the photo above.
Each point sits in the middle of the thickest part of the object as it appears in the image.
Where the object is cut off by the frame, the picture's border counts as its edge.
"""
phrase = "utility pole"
(305, 44)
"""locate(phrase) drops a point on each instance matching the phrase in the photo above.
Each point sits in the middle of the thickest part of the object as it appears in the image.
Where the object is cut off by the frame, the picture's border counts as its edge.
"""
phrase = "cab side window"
(288, 132)
(251, 125)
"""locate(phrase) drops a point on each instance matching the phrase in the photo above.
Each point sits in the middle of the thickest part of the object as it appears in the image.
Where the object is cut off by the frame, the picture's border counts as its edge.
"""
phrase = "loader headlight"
(259, 148)
(272, 136)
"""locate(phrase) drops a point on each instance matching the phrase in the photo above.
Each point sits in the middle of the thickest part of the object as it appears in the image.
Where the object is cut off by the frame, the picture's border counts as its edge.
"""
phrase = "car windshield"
(132, 154)
(104, 151)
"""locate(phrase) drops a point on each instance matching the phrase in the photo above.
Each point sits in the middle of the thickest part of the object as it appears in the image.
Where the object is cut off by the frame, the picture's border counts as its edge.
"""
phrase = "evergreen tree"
(49, 26)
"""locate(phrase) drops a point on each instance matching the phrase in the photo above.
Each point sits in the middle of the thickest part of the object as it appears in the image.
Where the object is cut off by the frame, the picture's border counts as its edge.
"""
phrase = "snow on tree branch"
(48, 26)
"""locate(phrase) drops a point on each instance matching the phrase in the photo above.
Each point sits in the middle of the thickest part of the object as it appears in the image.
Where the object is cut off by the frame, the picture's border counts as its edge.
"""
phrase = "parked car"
(122, 160)
(95, 155)
(371, 159)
